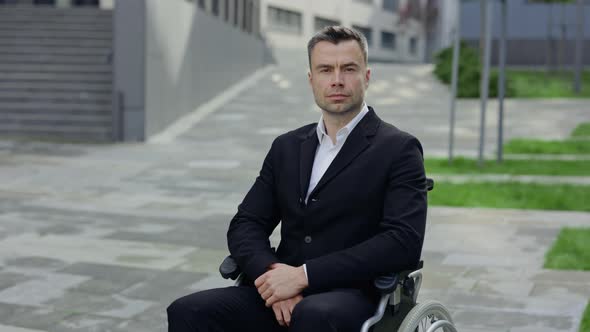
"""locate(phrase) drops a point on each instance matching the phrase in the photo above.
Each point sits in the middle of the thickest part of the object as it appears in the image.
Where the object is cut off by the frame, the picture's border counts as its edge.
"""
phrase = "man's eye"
(350, 69)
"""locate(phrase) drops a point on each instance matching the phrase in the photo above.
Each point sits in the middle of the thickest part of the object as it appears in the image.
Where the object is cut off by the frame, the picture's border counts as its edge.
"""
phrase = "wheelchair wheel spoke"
(424, 316)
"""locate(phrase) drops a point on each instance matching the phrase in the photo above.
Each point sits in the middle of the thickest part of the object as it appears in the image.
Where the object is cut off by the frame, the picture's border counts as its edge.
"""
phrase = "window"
(250, 16)
(365, 31)
(215, 7)
(413, 45)
(93, 3)
(388, 40)
(390, 5)
(320, 23)
(245, 15)
(236, 8)
(284, 20)
(226, 11)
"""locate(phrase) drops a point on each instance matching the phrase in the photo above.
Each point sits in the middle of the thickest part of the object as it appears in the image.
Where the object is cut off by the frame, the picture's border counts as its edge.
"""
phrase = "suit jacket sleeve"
(398, 244)
(251, 227)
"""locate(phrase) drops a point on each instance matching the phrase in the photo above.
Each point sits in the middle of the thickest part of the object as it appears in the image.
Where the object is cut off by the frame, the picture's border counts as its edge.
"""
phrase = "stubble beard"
(345, 111)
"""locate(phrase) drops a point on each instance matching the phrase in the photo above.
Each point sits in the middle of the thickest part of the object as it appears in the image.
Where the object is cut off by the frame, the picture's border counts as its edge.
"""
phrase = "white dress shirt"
(327, 151)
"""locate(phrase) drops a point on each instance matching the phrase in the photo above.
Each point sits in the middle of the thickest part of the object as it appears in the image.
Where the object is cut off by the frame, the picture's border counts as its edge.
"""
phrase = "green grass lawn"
(582, 130)
(571, 251)
(531, 167)
(539, 84)
(585, 323)
(532, 146)
(511, 195)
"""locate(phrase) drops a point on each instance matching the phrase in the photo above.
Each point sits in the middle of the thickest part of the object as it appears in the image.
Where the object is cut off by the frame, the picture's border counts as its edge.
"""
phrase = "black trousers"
(242, 309)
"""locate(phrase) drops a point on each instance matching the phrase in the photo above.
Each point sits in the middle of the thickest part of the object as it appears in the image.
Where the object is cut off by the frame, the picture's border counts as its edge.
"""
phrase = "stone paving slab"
(104, 237)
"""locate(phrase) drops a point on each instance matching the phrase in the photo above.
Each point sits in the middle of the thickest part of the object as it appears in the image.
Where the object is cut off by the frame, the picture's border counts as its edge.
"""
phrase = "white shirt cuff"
(305, 270)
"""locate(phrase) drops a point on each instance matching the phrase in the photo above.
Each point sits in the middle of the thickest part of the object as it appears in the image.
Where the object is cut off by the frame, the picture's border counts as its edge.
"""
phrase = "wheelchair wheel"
(427, 315)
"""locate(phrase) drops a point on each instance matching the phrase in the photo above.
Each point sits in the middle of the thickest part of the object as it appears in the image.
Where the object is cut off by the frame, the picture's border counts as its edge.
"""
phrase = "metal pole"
(454, 80)
(501, 82)
(483, 90)
(579, 48)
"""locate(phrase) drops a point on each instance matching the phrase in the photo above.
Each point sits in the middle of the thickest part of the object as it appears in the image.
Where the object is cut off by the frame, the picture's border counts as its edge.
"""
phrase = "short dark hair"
(335, 34)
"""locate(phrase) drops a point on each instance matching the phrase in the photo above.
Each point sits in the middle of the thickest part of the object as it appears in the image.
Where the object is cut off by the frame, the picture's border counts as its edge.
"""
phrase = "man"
(350, 195)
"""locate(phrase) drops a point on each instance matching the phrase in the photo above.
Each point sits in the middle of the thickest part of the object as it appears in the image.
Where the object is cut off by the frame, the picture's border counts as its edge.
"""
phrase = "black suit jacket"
(366, 216)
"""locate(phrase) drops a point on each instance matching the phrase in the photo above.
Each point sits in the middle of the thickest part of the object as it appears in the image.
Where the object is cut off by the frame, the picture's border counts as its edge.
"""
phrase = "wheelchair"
(398, 309)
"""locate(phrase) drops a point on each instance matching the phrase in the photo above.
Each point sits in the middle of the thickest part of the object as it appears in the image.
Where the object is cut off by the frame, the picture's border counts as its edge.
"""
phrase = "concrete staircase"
(55, 73)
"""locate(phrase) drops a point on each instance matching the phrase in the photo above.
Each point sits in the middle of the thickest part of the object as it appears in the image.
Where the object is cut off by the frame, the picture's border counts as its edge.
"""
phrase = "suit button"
(307, 239)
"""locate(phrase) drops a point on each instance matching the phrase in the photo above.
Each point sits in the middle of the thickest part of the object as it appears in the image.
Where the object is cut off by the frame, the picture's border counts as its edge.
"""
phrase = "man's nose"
(337, 78)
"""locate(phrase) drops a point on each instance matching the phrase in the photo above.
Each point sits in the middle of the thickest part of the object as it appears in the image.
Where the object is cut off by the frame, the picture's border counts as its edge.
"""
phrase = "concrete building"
(289, 24)
(537, 33)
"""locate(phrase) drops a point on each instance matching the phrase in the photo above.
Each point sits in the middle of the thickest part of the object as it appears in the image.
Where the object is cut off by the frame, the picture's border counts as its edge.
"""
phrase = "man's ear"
(309, 76)
(367, 77)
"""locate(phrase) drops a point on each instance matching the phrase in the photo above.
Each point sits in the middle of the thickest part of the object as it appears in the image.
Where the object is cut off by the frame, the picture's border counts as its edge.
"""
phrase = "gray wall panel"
(129, 69)
(191, 56)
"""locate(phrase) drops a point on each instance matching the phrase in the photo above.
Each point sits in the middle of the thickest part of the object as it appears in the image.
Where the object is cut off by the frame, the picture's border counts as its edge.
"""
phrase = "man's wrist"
(303, 273)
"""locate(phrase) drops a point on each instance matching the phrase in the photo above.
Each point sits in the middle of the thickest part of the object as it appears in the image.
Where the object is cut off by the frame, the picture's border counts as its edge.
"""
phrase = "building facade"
(538, 34)
(288, 24)
(106, 70)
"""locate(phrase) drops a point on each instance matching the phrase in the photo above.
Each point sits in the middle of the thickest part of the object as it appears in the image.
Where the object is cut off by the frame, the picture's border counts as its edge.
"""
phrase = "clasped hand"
(280, 287)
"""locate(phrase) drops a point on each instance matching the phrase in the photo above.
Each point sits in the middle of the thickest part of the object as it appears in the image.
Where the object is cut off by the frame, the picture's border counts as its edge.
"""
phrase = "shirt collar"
(344, 131)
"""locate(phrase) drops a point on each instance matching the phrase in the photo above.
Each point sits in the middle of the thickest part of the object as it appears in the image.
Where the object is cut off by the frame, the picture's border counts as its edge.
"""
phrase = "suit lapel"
(307, 151)
(356, 143)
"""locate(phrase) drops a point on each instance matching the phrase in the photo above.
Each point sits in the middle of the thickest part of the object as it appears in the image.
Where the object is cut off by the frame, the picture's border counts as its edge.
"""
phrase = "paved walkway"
(103, 238)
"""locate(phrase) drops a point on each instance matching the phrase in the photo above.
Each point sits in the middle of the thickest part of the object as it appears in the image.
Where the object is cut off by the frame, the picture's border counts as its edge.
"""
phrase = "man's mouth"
(337, 96)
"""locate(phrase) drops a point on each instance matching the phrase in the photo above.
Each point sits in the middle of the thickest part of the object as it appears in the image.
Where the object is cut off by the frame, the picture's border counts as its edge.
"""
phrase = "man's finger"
(286, 313)
(260, 280)
(278, 314)
(263, 288)
(271, 300)
(266, 295)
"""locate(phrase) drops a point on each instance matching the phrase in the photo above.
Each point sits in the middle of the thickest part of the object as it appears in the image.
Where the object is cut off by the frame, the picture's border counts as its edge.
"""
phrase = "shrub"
(469, 72)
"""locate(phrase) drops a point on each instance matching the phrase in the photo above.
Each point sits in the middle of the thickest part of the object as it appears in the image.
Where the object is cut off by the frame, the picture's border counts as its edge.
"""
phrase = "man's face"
(338, 76)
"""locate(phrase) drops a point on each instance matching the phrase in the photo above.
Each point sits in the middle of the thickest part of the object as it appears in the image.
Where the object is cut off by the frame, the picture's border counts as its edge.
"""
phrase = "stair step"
(56, 27)
(55, 72)
(56, 86)
(55, 125)
(73, 34)
(55, 50)
(56, 119)
(45, 132)
(50, 12)
(52, 41)
(54, 59)
(56, 77)
(23, 96)
(20, 20)
(43, 127)
(36, 107)
(55, 68)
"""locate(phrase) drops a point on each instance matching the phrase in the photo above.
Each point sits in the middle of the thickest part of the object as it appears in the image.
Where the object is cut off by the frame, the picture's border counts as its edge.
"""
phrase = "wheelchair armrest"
(429, 184)
(229, 269)
(387, 283)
